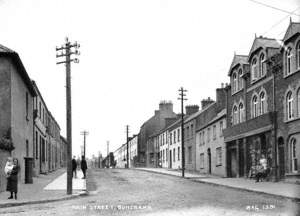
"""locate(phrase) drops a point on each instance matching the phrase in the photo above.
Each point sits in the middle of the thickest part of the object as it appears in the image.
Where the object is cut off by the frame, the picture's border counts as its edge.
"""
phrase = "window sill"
(234, 93)
(291, 74)
(292, 120)
(257, 80)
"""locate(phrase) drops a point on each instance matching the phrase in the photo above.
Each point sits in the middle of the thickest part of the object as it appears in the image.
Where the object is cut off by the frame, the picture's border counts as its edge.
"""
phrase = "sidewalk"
(45, 188)
(278, 189)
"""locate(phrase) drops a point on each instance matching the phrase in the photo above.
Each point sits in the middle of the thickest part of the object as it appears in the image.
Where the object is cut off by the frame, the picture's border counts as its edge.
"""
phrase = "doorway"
(232, 156)
(209, 161)
(281, 162)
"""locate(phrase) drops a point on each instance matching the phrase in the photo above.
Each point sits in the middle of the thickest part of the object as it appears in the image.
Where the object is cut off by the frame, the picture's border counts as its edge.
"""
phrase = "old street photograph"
(150, 107)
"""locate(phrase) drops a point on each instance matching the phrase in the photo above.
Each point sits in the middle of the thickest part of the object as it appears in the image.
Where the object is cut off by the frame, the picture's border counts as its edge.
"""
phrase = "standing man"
(74, 167)
(83, 166)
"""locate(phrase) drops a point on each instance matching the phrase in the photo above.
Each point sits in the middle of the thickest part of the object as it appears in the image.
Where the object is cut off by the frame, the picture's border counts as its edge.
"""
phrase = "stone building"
(250, 131)
(16, 111)
(286, 69)
(151, 126)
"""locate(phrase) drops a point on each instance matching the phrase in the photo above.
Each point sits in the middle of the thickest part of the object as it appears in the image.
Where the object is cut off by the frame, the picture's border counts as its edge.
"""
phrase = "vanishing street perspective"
(160, 108)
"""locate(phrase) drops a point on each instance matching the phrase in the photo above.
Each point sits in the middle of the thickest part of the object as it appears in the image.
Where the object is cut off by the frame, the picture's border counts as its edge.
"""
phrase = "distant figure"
(83, 167)
(12, 178)
(9, 166)
(74, 167)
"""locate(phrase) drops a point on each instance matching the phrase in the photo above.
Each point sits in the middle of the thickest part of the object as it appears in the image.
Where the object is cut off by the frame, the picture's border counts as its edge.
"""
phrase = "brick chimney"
(221, 94)
(206, 102)
(166, 106)
(190, 109)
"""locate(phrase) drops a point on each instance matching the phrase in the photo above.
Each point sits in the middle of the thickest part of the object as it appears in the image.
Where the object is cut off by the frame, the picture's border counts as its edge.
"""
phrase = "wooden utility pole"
(182, 95)
(127, 156)
(66, 51)
(84, 133)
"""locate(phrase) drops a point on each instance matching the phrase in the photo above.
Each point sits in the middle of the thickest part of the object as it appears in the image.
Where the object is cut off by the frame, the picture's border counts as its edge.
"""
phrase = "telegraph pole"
(84, 133)
(66, 52)
(182, 98)
(127, 132)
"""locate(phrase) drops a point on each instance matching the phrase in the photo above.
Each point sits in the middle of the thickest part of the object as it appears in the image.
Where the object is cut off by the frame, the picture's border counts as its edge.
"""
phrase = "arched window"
(298, 55)
(254, 107)
(293, 155)
(235, 86)
(235, 115)
(262, 69)
(240, 82)
(241, 112)
(254, 69)
(298, 102)
(262, 98)
(289, 105)
(288, 60)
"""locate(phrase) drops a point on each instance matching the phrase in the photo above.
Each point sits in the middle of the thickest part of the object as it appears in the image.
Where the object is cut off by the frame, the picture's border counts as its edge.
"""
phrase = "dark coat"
(83, 164)
(12, 180)
(74, 164)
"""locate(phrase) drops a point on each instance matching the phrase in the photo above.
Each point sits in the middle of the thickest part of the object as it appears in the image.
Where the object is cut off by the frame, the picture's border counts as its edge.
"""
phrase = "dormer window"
(262, 69)
(235, 82)
(288, 60)
(240, 82)
(298, 55)
(254, 69)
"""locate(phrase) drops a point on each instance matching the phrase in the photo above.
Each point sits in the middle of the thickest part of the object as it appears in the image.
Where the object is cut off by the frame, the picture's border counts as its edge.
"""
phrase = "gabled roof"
(237, 59)
(294, 28)
(263, 42)
(6, 52)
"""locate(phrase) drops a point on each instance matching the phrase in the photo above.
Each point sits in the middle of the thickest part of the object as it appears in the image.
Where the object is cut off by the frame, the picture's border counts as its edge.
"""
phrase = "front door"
(209, 161)
(233, 161)
(170, 161)
(281, 158)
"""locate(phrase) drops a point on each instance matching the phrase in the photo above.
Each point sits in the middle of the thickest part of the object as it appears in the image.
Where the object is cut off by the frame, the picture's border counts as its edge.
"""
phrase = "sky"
(134, 53)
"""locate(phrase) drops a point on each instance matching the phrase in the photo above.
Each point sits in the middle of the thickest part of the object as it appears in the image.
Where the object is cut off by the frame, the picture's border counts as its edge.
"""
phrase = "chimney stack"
(190, 109)
(206, 102)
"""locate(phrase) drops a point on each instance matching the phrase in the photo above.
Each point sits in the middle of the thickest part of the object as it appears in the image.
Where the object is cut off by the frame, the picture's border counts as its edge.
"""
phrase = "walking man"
(83, 166)
(74, 167)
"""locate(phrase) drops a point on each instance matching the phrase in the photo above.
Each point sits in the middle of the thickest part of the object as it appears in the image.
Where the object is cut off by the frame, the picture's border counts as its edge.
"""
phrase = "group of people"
(11, 171)
(83, 166)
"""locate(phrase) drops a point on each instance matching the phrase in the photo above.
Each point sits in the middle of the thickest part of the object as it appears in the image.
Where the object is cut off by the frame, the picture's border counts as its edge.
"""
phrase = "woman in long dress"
(12, 179)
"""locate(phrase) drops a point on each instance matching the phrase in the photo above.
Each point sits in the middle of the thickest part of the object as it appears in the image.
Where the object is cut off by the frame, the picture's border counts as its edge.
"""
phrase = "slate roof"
(293, 29)
(263, 42)
(219, 115)
(237, 59)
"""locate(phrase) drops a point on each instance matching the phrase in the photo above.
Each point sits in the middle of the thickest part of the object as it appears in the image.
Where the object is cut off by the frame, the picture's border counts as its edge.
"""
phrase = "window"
(218, 156)
(171, 138)
(27, 148)
(221, 128)
(262, 99)
(241, 112)
(203, 137)
(190, 154)
(174, 136)
(254, 107)
(40, 109)
(208, 135)
(298, 100)
(262, 69)
(202, 161)
(200, 138)
(289, 104)
(166, 155)
(192, 129)
(254, 69)
(288, 60)
(27, 108)
(174, 153)
(298, 54)
(235, 115)
(187, 132)
(235, 82)
(240, 81)
(178, 135)
(178, 153)
(214, 132)
(293, 157)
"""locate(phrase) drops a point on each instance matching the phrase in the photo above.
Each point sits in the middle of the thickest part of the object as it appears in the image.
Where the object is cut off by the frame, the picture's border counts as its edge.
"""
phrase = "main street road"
(133, 192)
